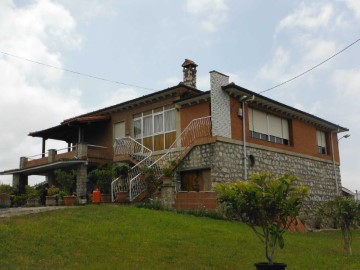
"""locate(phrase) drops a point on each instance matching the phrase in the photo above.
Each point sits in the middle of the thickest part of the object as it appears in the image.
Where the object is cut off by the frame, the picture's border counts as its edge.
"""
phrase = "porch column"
(50, 178)
(82, 149)
(81, 181)
(19, 182)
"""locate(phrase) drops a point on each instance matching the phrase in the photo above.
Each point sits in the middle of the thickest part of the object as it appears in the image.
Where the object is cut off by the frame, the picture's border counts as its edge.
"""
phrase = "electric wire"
(75, 72)
(151, 89)
(310, 69)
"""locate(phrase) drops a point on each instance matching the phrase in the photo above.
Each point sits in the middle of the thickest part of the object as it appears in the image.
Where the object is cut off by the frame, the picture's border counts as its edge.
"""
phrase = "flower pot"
(69, 200)
(105, 198)
(32, 202)
(267, 266)
(50, 200)
(122, 197)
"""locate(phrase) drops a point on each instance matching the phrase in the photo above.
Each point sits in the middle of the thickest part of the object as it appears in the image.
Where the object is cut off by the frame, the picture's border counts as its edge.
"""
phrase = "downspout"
(333, 160)
(244, 140)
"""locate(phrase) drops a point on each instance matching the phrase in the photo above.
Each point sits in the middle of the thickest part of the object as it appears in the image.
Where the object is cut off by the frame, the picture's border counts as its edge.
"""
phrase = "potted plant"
(121, 170)
(342, 212)
(66, 180)
(266, 203)
(51, 197)
(32, 195)
(167, 174)
(104, 176)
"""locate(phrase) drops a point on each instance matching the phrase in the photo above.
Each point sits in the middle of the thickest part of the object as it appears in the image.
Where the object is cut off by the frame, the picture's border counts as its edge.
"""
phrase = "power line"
(310, 69)
(75, 72)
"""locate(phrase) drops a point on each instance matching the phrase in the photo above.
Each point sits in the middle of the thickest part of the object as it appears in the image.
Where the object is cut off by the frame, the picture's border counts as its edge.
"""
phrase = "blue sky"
(257, 43)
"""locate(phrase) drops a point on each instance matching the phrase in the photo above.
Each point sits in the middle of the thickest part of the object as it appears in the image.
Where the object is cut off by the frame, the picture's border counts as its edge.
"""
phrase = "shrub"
(266, 203)
(31, 193)
(6, 189)
(342, 212)
(51, 191)
(65, 179)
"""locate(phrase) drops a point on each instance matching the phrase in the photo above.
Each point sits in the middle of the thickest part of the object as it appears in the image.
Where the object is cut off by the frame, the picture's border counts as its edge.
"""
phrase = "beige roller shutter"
(260, 122)
(119, 130)
(285, 129)
(275, 126)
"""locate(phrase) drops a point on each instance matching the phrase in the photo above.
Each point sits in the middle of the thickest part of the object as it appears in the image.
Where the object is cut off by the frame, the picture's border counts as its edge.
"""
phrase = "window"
(119, 130)
(156, 129)
(321, 142)
(268, 127)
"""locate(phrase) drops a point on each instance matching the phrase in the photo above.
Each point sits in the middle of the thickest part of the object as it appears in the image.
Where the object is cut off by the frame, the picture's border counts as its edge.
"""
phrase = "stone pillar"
(50, 178)
(168, 195)
(82, 149)
(81, 181)
(220, 105)
(168, 191)
(19, 182)
(23, 161)
(52, 155)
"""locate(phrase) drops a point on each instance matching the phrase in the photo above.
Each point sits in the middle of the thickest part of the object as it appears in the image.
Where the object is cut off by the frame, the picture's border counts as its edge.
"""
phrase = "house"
(226, 133)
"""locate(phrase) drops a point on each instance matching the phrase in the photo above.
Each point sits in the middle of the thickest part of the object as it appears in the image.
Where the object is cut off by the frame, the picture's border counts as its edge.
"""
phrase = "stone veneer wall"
(225, 160)
(220, 105)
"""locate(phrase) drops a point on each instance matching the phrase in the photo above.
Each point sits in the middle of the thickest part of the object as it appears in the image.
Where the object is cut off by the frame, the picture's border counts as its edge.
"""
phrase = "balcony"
(91, 153)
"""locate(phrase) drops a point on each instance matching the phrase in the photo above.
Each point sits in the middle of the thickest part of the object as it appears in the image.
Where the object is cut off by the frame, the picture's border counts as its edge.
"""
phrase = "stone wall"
(225, 158)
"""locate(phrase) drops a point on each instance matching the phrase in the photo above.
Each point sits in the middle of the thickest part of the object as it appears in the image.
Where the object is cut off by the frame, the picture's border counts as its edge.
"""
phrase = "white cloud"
(30, 98)
(308, 16)
(354, 5)
(211, 13)
(347, 83)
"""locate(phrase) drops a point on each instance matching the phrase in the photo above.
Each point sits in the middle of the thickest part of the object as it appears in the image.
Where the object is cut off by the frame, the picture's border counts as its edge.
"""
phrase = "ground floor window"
(196, 180)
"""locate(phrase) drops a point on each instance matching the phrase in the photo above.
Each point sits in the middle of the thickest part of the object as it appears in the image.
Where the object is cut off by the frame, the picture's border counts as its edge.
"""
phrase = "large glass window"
(137, 128)
(321, 142)
(268, 127)
(156, 129)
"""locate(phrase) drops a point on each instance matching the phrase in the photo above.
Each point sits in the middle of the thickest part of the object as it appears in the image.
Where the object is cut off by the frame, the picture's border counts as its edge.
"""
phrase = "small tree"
(342, 212)
(268, 204)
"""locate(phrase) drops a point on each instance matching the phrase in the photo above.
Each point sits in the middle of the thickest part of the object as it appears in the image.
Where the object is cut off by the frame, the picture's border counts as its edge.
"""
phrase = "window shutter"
(285, 129)
(119, 130)
(275, 126)
(260, 122)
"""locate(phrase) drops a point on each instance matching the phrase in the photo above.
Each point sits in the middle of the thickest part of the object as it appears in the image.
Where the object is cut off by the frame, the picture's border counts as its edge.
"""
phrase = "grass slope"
(118, 237)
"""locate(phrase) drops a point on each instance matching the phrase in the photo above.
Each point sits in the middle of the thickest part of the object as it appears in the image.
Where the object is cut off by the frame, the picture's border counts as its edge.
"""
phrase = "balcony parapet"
(80, 151)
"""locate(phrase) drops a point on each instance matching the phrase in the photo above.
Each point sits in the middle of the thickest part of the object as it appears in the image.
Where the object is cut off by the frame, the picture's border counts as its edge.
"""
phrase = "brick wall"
(195, 200)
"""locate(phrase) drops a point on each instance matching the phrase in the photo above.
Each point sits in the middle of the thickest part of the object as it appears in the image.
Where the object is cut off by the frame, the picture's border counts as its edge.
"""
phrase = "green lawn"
(120, 237)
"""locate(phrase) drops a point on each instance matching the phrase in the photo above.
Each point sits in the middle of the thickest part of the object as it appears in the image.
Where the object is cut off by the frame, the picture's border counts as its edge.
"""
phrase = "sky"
(143, 43)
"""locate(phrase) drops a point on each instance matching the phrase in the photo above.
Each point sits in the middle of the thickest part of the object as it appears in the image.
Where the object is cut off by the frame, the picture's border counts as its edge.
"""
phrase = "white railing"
(129, 146)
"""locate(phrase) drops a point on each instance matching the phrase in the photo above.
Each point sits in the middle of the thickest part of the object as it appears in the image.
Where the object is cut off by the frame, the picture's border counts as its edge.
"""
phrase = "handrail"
(129, 146)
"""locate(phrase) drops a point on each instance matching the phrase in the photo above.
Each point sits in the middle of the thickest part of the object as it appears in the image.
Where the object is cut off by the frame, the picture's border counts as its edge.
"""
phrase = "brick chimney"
(189, 70)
